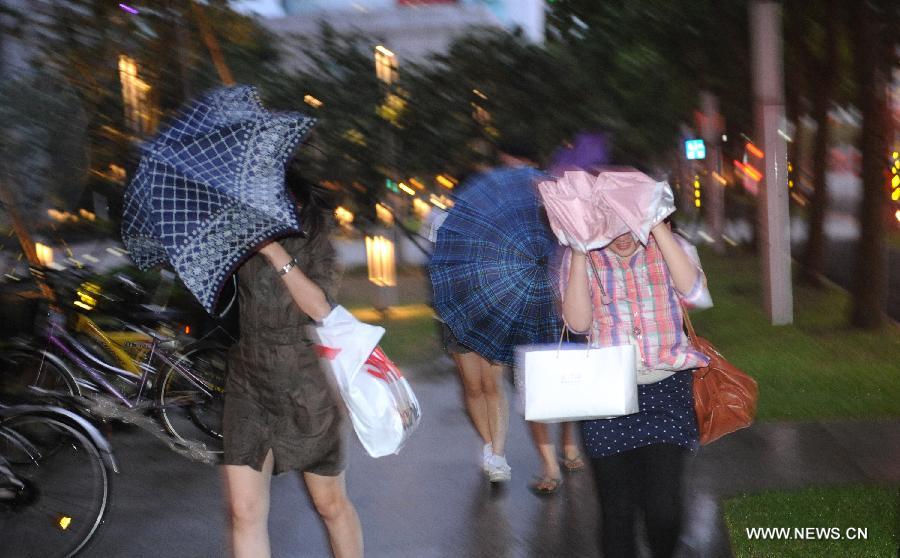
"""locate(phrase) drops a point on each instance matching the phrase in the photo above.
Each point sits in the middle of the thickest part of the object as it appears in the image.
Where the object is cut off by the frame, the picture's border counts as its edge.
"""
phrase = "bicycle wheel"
(187, 413)
(25, 372)
(65, 494)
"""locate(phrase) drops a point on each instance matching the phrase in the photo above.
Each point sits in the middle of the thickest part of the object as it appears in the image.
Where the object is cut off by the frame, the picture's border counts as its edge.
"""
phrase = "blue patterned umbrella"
(210, 188)
(489, 269)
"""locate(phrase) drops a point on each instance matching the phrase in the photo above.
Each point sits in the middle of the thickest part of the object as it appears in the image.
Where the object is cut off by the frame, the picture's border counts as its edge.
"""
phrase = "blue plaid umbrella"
(489, 269)
(210, 188)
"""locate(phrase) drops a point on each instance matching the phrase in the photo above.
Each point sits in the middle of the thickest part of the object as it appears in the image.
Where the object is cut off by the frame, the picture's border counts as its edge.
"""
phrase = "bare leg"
(248, 503)
(571, 451)
(329, 495)
(497, 407)
(540, 433)
(469, 367)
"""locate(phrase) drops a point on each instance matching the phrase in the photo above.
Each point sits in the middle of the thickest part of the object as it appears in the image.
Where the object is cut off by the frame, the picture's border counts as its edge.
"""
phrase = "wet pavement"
(432, 500)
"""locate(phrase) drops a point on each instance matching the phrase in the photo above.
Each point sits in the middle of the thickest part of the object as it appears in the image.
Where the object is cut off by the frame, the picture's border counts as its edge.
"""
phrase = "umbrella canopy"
(489, 269)
(588, 150)
(588, 211)
(210, 188)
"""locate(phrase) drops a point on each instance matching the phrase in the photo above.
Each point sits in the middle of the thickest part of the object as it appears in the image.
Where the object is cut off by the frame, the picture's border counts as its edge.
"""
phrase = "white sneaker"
(497, 469)
(486, 454)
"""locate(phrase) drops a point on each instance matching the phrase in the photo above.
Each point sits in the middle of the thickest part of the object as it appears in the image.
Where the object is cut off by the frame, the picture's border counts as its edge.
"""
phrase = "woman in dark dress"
(280, 411)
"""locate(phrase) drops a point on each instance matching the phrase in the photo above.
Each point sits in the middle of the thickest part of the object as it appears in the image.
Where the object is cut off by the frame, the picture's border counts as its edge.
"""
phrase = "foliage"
(812, 369)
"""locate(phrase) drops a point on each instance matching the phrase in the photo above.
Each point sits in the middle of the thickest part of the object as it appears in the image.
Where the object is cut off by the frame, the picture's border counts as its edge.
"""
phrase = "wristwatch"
(287, 267)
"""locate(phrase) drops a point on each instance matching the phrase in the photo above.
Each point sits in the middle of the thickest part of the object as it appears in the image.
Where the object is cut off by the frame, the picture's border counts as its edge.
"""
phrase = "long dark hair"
(315, 201)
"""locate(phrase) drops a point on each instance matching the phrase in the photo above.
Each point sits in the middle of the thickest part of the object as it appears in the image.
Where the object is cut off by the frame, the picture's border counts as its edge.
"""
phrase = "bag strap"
(688, 325)
(604, 299)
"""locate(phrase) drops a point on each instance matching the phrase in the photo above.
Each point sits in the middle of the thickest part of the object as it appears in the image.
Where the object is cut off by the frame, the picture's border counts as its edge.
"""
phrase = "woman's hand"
(684, 272)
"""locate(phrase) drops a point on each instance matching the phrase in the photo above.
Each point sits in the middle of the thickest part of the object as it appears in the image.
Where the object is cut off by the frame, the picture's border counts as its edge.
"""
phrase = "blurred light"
(381, 261)
(790, 167)
(355, 136)
(87, 295)
(135, 96)
(705, 236)
(44, 254)
(407, 189)
(129, 9)
(897, 215)
(753, 150)
(697, 203)
(344, 216)
(798, 198)
(87, 214)
(695, 149)
(786, 137)
(697, 185)
(895, 195)
(89, 258)
(384, 51)
(416, 183)
(187, 330)
(385, 65)
(724, 137)
(312, 101)
(116, 251)
(446, 181)
(391, 185)
(895, 155)
(895, 182)
(480, 94)
(728, 240)
(384, 214)
(748, 170)
(117, 173)
(391, 109)
(421, 209)
(442, 202)
(721, 179)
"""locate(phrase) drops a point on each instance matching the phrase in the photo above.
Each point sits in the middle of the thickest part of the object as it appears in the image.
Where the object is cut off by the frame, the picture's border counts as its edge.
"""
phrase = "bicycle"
(55, 481)
(146, 372)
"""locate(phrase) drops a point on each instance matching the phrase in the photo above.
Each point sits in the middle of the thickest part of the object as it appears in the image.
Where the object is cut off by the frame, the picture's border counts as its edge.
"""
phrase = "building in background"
(411, 29)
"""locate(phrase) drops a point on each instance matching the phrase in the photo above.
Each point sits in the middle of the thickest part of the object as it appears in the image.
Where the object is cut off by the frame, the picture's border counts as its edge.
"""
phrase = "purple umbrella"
(588, 150)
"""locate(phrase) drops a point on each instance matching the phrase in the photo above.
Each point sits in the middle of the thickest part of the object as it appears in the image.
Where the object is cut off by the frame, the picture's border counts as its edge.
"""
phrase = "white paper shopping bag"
(566, 382)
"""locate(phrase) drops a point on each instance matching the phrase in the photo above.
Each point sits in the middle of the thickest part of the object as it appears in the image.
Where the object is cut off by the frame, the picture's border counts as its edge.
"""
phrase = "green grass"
(871, 508)
(410, 341)
(813, 369)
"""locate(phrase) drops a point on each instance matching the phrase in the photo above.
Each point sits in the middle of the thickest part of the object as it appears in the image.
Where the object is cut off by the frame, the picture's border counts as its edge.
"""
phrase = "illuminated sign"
(695, 149)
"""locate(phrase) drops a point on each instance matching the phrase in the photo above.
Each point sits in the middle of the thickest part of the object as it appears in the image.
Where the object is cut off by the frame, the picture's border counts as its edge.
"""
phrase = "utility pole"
(774, 226)
(711, 132)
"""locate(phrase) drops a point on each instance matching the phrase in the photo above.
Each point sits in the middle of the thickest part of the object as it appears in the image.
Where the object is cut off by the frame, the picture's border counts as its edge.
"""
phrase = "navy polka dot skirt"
(666, 416)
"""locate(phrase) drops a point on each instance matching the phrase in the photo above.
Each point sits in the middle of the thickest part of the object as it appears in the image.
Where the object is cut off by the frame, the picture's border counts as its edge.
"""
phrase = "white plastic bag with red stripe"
(383, 408)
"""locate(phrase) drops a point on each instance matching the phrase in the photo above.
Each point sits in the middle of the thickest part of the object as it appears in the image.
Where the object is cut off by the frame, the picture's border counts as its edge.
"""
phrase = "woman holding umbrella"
(209, 198)
(636, 290)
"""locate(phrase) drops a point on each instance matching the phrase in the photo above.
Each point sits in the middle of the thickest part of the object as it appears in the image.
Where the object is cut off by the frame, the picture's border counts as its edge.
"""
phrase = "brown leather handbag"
(724, 396)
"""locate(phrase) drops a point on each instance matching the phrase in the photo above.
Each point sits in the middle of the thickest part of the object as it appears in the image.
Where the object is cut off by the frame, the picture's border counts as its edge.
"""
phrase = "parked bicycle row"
(102, 352)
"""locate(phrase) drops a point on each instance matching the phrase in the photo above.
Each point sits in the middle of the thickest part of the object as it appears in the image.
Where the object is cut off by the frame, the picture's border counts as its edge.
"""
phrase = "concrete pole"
(774, 226)
(711, 131)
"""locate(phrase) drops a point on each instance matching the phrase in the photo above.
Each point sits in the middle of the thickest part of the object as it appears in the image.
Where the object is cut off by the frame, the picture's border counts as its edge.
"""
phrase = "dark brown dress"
(277, 397)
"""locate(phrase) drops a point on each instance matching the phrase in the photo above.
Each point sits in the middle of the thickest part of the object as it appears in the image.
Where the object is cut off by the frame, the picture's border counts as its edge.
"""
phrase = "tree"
(875, 29)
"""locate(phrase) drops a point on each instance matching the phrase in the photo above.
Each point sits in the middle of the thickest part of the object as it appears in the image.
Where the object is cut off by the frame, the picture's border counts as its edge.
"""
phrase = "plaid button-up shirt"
(643, 307)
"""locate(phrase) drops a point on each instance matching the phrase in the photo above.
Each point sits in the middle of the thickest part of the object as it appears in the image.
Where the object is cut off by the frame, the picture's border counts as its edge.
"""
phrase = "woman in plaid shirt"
(630, 291)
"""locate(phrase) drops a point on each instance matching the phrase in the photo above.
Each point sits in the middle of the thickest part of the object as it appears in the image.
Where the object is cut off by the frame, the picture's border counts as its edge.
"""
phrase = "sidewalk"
(432, 500)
